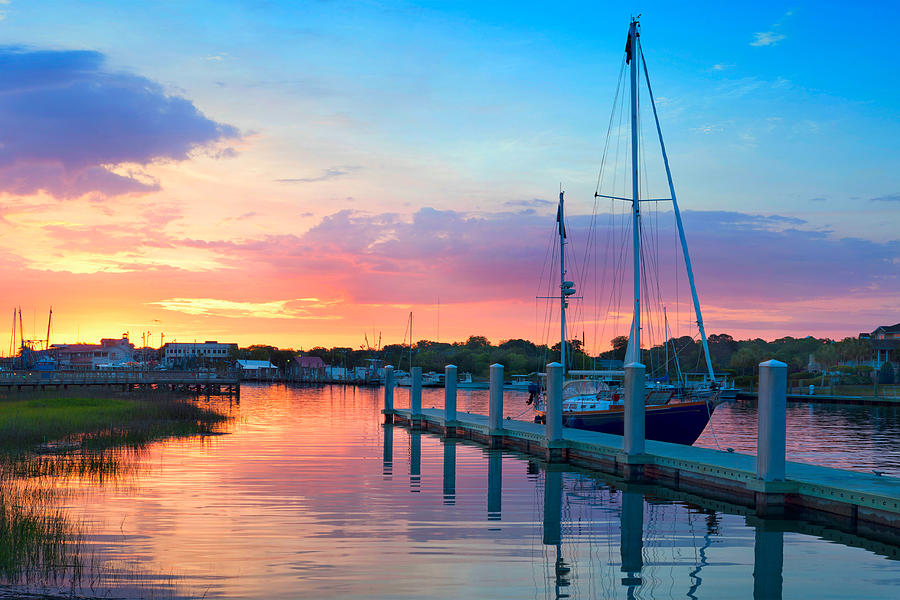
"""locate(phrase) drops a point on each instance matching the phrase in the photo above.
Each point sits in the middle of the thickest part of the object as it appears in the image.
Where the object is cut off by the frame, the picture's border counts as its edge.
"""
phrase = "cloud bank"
(67, 123)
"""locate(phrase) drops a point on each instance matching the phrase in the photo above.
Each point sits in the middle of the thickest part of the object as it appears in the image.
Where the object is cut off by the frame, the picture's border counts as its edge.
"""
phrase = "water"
(309, 496)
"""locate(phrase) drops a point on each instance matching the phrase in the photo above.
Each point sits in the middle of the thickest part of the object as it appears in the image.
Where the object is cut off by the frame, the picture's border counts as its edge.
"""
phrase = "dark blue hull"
(678, 423)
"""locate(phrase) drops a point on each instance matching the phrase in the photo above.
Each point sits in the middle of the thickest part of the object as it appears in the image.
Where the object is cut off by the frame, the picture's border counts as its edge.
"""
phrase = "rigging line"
(609, 126)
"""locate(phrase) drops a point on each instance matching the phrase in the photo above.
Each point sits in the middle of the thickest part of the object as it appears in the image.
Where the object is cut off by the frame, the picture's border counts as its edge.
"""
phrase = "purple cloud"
(754, 272)
(65, 121)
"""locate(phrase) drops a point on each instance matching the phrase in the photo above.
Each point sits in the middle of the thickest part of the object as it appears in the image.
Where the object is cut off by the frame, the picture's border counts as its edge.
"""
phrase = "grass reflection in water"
(46, 441)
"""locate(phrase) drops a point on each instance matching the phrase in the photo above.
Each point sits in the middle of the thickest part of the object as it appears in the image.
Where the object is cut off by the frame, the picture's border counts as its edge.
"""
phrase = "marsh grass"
(59, 422)
(45, 439)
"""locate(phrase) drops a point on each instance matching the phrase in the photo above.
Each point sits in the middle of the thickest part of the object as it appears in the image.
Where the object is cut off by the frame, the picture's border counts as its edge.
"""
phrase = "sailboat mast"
(635, 337)
(562, 285)
(684, 247)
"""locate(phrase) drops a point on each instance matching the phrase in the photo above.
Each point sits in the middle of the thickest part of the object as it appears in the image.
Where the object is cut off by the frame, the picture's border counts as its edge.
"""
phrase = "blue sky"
(293, 112)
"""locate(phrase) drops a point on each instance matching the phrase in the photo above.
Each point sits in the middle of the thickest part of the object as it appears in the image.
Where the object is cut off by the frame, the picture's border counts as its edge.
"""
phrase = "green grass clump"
(97, 423)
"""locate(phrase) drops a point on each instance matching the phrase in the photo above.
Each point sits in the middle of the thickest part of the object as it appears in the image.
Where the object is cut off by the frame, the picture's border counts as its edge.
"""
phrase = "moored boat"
(675, 414)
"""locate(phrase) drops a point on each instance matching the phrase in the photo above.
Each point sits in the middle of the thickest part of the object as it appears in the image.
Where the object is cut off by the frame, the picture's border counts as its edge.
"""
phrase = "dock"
(863, 504)
(831, 399)
(197, 383)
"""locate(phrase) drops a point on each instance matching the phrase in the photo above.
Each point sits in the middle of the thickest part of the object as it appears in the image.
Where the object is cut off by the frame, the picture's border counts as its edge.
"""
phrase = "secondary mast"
(566, 288)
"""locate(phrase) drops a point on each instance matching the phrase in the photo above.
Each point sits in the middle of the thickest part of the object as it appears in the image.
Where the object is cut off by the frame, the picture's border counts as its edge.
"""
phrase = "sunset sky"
(307, 173)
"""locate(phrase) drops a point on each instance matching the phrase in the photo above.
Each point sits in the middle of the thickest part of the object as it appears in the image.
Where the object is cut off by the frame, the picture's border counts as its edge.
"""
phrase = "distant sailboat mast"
(566, 288)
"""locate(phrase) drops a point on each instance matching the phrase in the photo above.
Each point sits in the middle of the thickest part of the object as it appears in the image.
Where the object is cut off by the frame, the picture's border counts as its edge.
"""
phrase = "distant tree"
(477, 341)
(619, 347)
(745, 360)
(886, 374)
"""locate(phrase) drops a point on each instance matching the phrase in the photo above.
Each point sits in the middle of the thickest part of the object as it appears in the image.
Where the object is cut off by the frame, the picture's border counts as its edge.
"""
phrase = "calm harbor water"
(309, 496)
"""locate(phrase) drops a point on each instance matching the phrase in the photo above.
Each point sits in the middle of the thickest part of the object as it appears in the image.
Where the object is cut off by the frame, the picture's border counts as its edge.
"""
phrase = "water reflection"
(552, 530)
(415, 462)
(387, 461)
(288, 507)
(631, 545)
(495, 485)
(449, 478)
(768, 560)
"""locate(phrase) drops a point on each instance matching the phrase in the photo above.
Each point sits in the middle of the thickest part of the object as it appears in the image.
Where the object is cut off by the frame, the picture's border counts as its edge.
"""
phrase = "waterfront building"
(307, 368)
(257, 370)
(885, 342)
(109, 353)
(186, 355)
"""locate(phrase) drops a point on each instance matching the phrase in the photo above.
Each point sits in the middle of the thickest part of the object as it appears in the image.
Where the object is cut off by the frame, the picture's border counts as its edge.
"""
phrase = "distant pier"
(198, 383)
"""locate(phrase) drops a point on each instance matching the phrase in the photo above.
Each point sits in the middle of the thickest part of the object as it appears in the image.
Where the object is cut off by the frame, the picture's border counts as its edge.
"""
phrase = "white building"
(187, 354)
(256, 369)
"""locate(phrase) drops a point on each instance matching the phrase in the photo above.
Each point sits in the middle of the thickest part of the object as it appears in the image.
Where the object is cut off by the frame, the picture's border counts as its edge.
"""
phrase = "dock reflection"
(415, 461)
(552, 525)
(495, 485)
(652, 532)
(768, 560)
(387, 463)
(631, 539)
(449, 472)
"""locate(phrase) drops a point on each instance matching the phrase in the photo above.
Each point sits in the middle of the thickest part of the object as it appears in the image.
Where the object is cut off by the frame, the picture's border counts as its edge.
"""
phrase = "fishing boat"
(596, 401)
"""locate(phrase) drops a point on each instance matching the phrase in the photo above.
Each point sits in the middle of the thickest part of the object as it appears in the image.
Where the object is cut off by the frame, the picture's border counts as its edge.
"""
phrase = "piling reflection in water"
(768, 560)
(415, 462)
(495, 485)
(552, 528)
(387, 462)
(631, 544)
(449, 472)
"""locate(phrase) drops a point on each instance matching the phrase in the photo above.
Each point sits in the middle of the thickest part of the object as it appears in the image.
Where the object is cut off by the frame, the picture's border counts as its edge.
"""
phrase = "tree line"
(737, 358)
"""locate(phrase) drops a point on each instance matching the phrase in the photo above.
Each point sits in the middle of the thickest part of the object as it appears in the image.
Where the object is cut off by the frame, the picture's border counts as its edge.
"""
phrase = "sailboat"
(595, 401)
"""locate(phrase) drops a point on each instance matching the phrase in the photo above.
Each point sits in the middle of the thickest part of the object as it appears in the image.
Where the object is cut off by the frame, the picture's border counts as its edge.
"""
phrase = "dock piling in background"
(495, 405)
(388, 394)
(553, 412)
(450, 400)
(415, 396)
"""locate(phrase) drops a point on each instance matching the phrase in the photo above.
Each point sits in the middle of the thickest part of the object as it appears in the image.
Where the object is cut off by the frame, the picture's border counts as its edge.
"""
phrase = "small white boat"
(465, 382)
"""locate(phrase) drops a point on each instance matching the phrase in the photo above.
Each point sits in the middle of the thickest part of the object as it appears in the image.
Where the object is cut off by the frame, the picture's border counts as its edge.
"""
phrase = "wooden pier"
(197, 383)
(864, 504)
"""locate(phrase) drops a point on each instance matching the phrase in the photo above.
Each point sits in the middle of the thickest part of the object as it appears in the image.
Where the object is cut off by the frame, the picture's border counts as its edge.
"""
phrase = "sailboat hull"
(677, 423)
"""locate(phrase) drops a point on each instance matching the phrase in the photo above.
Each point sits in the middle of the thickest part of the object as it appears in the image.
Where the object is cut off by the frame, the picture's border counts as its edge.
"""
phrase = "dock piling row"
(450, 400)
(388, 394)
(633, 443)
(495, 405)
(415, 395)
